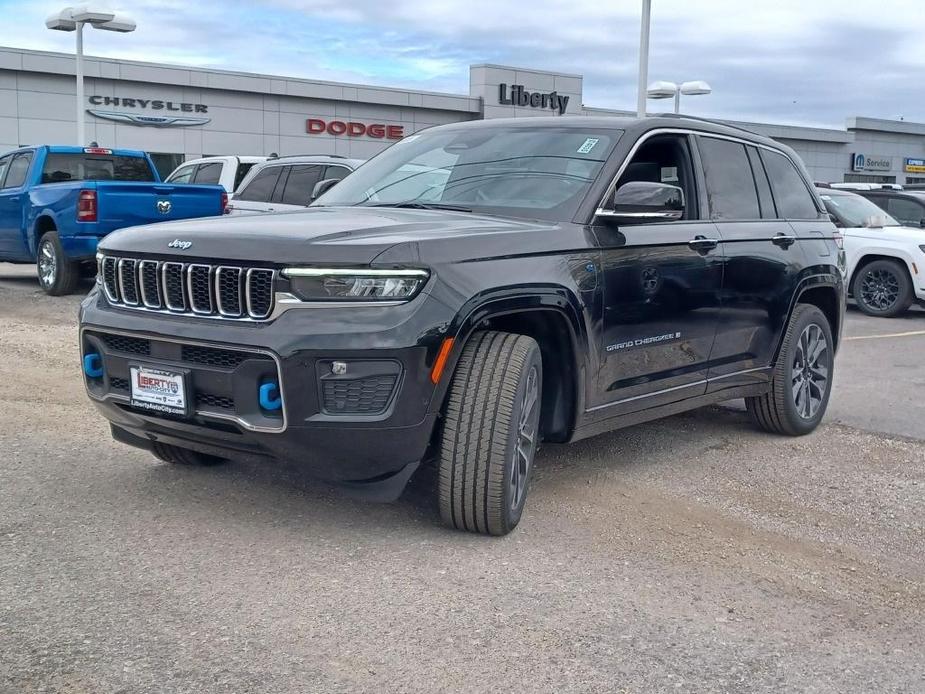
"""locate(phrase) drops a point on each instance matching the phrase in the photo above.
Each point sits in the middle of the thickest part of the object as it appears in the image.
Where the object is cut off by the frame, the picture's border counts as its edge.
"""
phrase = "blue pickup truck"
(56, 203)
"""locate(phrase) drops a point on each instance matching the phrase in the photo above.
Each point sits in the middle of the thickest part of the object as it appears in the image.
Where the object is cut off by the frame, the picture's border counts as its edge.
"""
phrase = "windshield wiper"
(416, 205)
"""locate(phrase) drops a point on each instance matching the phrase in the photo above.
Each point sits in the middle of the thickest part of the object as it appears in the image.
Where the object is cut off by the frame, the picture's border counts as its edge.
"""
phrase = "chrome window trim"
(214, 345)
(141, 283)
(602, 211)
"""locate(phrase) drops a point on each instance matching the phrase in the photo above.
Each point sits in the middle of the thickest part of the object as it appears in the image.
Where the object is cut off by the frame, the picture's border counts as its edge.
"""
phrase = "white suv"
(225, 171)
(289, 183)
(885, 261)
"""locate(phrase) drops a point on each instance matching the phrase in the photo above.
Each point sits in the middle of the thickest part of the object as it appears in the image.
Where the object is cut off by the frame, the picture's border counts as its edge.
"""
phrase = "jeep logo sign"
(182, 245)
(316, 126)
(870, 162)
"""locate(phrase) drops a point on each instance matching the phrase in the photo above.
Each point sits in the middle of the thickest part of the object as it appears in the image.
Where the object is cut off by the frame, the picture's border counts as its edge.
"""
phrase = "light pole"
(643, 58)
(73, 19)
(667, 90)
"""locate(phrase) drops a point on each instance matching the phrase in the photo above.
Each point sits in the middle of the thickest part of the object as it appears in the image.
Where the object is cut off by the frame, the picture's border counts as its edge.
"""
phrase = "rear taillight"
(839, 240)
(224, 203)
(86, 206)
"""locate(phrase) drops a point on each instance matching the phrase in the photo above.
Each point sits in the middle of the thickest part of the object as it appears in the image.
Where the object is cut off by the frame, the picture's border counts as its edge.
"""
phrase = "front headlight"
(355, 284)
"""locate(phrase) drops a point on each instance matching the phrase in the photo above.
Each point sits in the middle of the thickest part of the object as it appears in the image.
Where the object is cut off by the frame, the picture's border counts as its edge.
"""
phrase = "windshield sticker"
(588, 145)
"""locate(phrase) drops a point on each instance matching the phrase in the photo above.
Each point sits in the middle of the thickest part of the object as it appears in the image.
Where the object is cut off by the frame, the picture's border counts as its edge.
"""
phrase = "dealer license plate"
(158, 390)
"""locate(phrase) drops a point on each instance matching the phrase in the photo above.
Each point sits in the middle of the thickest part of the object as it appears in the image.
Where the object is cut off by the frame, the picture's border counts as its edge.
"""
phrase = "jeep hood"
(315, 235)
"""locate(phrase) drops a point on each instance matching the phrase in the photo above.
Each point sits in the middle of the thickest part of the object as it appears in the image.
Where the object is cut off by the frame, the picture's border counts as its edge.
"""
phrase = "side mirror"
(638, 202)
(322, 187)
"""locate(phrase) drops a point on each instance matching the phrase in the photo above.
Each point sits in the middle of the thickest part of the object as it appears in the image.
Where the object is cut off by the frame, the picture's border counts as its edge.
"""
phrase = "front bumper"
(296, 350)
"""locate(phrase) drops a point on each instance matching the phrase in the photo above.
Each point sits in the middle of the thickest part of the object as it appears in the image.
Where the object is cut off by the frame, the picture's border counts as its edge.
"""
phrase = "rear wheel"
(883, 288)
(802, 379)
(490, 433)
(57, 274)
(183, 456)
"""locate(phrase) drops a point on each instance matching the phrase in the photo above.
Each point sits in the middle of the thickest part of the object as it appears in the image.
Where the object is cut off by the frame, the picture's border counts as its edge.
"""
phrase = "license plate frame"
(171, 396)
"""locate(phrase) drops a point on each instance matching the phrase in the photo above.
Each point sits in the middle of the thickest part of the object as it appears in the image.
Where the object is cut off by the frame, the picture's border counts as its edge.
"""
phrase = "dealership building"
(179, 113)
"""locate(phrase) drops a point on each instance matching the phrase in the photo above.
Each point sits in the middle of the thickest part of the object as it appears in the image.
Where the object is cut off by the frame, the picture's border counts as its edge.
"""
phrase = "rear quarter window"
(792, 197)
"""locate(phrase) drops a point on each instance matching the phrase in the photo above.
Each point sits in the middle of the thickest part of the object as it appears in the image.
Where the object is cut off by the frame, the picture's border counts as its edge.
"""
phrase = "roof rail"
(712, 121)
(329, 156)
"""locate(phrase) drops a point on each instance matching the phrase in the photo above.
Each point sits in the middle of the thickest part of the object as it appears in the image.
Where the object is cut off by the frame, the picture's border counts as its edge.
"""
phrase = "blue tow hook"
(269, 397)
(93, 365)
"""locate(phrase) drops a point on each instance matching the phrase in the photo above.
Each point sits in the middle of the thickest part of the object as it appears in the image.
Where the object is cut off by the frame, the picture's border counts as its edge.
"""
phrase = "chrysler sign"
(316, 126)
(146, 119)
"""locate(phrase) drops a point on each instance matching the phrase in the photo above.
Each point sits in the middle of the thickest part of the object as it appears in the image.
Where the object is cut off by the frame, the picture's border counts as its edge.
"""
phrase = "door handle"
(784, 240)
(702, 244)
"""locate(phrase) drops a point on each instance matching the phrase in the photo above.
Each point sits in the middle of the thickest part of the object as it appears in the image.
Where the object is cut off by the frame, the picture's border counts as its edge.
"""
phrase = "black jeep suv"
(472, 291)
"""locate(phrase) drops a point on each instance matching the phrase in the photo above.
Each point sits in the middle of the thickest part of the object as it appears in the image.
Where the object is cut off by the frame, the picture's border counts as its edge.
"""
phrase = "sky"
(809, 62)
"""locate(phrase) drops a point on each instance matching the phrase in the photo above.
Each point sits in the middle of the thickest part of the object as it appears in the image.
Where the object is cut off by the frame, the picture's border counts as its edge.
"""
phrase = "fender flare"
(512, 300)
(831, 279)
(32, 233)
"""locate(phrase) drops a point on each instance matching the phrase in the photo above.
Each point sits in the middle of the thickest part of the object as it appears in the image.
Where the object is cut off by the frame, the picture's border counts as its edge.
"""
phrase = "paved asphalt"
(692, 554)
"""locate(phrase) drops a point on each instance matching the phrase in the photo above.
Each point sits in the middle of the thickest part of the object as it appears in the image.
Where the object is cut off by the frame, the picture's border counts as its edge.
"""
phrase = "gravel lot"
(691, 554)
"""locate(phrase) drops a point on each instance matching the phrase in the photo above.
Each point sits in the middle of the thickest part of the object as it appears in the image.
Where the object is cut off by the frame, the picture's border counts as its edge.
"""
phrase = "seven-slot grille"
(191, 288)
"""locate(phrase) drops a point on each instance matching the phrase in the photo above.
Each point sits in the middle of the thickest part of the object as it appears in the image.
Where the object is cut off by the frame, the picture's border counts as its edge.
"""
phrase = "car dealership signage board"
(870, 162)
(914, 166)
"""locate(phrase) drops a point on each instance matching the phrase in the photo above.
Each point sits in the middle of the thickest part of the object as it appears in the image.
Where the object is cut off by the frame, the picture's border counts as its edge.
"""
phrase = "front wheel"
(57, 274)
(490, 433)
(802, 379)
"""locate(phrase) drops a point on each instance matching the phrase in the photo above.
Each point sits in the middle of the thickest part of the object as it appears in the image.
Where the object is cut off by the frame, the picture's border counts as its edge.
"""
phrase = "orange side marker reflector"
(442, 356)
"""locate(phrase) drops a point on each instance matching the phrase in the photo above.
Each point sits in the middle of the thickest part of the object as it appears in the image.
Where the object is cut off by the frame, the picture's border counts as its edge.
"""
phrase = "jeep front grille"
(220, 291)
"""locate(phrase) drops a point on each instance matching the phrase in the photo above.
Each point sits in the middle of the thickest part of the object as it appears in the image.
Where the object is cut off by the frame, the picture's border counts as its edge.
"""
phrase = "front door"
(661, 292)
(13, 174)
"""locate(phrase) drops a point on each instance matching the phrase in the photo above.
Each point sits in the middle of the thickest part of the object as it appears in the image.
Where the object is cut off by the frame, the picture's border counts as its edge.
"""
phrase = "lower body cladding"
(356, 419)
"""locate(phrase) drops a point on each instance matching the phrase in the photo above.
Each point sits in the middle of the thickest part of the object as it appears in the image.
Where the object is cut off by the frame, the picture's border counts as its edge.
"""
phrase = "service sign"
(914, 166)
(870, 162)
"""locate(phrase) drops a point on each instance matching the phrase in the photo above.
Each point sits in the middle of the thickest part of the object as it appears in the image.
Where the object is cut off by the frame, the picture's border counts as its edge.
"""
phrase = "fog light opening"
(93, 365)
(269, 397)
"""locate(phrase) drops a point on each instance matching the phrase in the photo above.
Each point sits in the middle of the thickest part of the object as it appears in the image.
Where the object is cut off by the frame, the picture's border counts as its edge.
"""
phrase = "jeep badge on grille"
(182, 245)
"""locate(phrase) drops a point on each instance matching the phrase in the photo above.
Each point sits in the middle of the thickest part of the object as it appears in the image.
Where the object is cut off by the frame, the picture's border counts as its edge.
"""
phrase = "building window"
(868, 178)
(915, 179)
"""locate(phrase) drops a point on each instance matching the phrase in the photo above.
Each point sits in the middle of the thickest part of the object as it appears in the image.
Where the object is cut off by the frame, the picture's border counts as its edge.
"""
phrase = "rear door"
(751, 198)
(14, 171)
(257, 195)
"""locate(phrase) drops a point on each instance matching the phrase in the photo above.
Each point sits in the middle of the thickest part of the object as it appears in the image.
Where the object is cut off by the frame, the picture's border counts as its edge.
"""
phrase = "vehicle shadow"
(283, 495)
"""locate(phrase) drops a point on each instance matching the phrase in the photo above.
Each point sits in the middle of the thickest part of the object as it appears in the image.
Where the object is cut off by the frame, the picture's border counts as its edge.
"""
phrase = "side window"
(765, 199)
(731, 189)
(665, 159)
(18, 170)
(299, 185)
(261, 188)
(338, 172)
(208, 173)
(241, 173)
(907, 211)
(4, 165)
(792, 197)
(183, 175)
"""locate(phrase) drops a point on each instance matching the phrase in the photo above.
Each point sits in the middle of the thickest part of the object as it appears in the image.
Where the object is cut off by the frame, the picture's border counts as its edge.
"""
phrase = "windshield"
(855, 211)
(539, 172)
